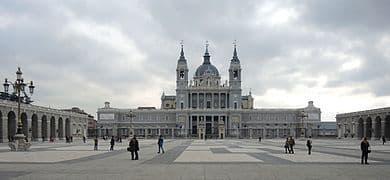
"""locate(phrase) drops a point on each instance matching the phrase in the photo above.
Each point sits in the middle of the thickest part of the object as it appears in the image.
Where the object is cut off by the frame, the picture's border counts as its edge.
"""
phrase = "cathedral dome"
(206, 69)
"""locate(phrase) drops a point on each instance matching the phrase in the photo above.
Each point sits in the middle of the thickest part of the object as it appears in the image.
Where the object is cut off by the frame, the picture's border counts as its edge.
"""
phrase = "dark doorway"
(34, 126)
(44, 128)
(23, 116)
(11, 123)
(387, 127)
(67, 127)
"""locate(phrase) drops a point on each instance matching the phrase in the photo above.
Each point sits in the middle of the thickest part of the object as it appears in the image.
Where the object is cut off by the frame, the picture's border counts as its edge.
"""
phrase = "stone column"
(226, 101)
(198, 126)
(197, 101)
(190, 95)
(373, 130)
(5, 128)
(212, 101)
(250, 133)
(39, 125)
(219, 100)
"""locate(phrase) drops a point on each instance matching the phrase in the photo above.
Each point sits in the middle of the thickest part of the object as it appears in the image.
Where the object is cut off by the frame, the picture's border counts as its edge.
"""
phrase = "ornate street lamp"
(19, 87)
(302, 115)
(131, 115)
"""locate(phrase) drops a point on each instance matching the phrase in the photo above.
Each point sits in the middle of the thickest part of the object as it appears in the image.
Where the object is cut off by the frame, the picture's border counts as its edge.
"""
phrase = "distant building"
(327, 129)
(40, 123)
(91, 125)
(207, 107)
(373, 123)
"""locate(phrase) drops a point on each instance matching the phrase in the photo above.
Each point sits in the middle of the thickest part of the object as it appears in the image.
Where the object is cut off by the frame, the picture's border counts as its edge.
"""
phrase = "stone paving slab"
(301, 156)
(45, 156)
(208, 156)
(245, 150)
(252, 160)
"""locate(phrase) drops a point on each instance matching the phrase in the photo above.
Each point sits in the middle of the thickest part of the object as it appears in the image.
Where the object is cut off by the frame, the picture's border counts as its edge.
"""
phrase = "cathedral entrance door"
(208, 130)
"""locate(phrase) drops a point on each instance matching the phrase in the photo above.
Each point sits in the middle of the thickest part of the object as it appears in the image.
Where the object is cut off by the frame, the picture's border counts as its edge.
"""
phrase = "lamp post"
(19, 87)
(302, 115)
(131, 115)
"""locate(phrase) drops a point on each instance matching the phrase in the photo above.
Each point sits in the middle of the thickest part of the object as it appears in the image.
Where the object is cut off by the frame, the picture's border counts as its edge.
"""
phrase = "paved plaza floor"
(197, 159)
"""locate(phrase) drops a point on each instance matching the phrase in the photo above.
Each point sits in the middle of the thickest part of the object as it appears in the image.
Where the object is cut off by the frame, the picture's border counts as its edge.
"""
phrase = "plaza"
(196, 159)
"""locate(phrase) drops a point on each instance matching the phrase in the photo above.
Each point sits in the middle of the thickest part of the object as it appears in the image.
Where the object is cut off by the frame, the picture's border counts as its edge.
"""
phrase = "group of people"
(289, 145)
(133, 146)
(364, 147)
(68, 139)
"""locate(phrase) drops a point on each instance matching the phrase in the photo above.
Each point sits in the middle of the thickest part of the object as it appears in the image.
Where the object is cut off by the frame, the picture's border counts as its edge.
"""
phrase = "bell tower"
(181, 80)
(235, 80)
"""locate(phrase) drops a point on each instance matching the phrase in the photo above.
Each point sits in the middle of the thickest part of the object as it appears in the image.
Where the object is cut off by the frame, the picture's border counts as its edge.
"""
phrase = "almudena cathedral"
(207, 108)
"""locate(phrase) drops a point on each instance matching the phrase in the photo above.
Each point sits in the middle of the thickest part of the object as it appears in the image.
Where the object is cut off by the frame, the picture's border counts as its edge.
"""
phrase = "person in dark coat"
(134, 147)
(309, 145)
(291, 143)
(287, 146)
(383, 140)
(84, 139)
(95, 147)
(259, 138)
(364, 146)
(160, 144)
(112, 143)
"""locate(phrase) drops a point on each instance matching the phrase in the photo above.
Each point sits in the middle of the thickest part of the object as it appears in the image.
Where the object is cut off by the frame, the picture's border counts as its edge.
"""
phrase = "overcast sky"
(83, 53)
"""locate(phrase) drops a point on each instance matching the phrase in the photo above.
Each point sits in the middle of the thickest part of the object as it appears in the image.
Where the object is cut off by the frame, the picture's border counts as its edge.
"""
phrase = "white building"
(205, 107)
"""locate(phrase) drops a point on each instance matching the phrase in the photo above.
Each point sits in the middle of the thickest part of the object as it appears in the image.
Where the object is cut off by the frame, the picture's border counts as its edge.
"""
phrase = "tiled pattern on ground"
(200, 151)
(250, 151)
(59, 152)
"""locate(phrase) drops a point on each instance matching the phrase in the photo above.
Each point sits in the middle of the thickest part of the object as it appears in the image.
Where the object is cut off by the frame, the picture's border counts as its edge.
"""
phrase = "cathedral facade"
(207, 107)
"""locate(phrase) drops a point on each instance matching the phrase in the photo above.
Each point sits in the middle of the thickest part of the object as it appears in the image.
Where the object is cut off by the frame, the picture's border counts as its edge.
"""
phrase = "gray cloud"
(84, 53)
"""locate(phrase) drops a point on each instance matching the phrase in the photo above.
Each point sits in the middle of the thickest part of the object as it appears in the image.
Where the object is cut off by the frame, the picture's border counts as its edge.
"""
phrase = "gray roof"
(206, 69)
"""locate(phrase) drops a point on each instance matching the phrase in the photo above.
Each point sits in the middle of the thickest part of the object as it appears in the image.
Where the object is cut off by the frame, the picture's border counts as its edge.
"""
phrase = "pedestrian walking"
(383, 140)
(364, 146)
(160, 144)
(112, 143)
(95, 147)
(84, 139)
(134, 148)
(286, 146)
(309, 145)
(291, 143)
(259, 138)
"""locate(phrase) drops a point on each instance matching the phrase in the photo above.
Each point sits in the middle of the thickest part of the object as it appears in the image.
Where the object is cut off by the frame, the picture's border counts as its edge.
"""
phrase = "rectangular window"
(235, 105)
(208, 104)
(181, 105)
